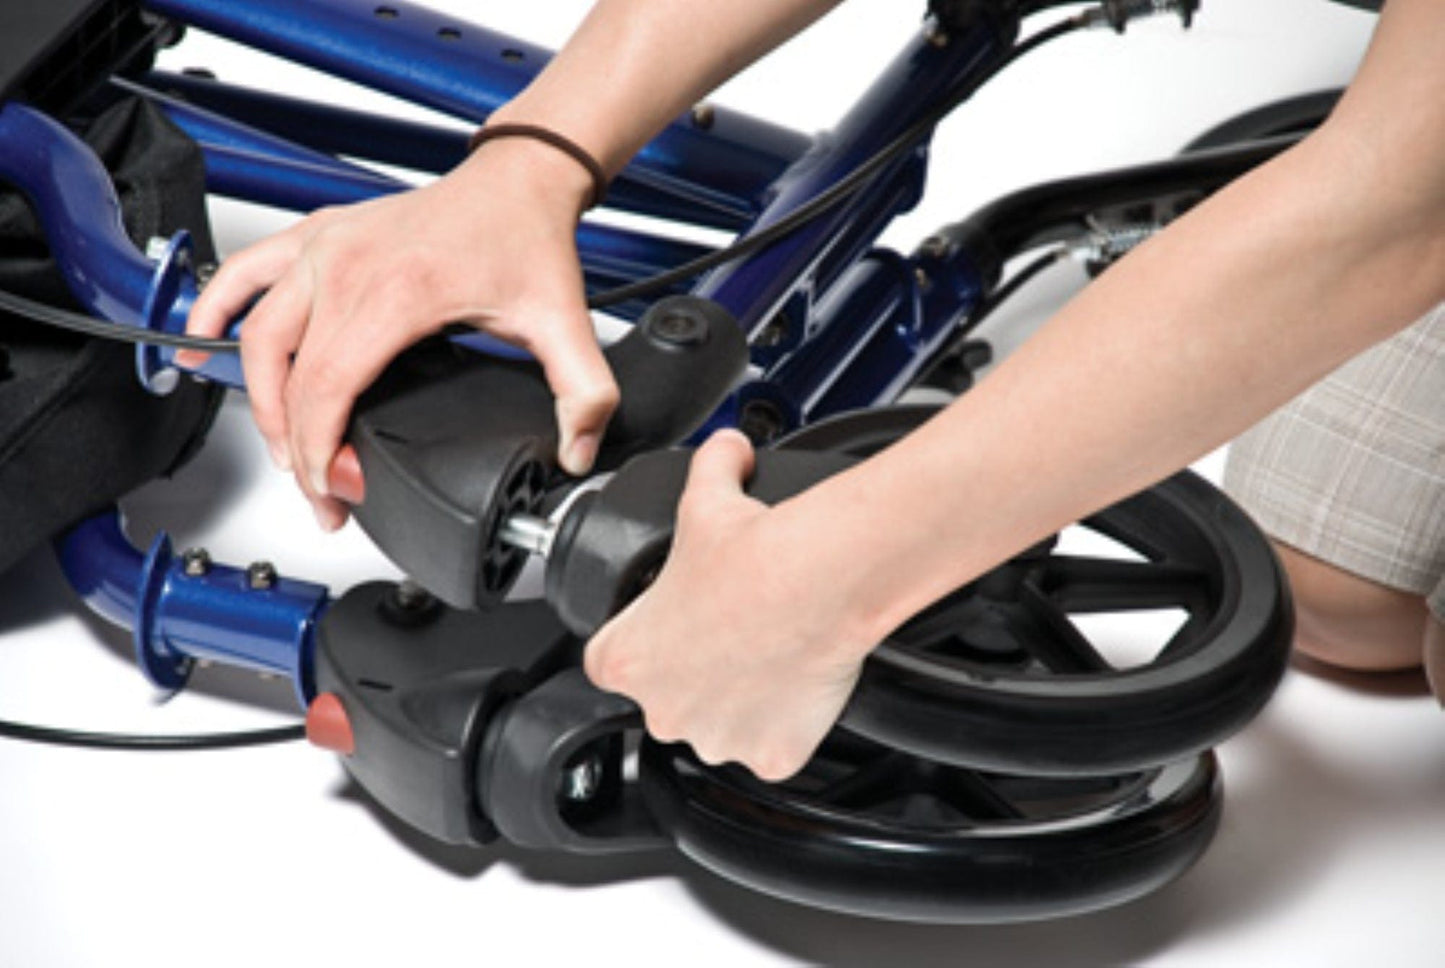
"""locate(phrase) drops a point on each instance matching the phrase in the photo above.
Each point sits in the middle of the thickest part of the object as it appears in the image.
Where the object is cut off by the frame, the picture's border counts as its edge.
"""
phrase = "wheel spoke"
(1085, 584)
(973, 795)
(872, 783)
(1053, 640)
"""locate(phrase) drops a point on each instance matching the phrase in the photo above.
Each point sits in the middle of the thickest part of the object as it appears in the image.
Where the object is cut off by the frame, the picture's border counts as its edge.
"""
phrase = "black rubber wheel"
(999, 676)
(870, 831)
(1295, 115)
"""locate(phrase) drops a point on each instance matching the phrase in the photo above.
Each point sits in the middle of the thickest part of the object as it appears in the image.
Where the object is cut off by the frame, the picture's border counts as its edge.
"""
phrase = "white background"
(1333, 842)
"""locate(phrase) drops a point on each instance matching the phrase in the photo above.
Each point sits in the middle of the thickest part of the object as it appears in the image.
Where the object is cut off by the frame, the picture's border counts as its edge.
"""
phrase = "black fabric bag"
(77, 430)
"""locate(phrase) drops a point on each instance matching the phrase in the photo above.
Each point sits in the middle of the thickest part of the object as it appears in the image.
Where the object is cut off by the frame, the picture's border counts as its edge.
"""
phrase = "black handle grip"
(612, 541)
(452, 441)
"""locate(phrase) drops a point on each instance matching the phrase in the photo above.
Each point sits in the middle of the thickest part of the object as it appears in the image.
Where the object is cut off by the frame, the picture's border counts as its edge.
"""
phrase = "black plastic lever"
(452, 441)
(612, 541)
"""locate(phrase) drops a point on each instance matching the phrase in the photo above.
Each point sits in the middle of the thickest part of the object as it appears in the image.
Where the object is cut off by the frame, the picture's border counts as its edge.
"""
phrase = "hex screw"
(261, 576)
(704, 115)
(680, 329)
(195, 562)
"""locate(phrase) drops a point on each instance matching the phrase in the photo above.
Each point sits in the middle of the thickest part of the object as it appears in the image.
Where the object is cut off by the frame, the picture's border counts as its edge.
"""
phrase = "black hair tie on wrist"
(547, 136)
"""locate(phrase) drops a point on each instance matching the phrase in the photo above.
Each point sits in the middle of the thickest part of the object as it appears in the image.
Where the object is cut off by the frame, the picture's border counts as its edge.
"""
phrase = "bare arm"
(1235, 308)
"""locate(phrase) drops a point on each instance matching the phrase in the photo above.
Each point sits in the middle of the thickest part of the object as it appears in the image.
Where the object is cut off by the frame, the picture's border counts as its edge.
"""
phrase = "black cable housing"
(57, 736)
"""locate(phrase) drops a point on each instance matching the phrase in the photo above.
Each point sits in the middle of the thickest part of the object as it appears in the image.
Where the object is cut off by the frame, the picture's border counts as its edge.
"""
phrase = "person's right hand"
(343, 291)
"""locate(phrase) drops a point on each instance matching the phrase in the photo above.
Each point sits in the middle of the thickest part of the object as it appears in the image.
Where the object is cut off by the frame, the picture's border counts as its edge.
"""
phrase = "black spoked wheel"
(871, 831)
(1005, 674)
(1294, 115)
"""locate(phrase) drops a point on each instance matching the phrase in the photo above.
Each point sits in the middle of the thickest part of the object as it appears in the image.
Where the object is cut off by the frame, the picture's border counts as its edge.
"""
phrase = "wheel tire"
(1082, 846)
(1295, 115)
(1014, 687)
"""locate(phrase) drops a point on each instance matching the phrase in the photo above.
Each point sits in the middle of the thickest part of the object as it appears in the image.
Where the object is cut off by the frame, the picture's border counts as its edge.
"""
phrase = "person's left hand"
(741, 647)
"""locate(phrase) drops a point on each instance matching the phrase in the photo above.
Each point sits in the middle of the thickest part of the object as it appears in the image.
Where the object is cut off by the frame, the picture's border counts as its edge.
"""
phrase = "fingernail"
(189, 358)
(280, 456)
(577, 456)
(346, 480)
(318, 483)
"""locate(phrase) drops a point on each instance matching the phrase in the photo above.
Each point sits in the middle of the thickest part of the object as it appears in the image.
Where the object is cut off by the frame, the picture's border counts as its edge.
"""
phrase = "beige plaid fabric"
(1353, 470)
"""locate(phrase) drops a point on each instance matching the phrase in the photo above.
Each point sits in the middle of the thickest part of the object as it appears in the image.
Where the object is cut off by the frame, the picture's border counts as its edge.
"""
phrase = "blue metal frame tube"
(319, 126)
(419, 147)
(918, 78)
(72, 195)
(178, 618)
(75, 201)
(468, 71)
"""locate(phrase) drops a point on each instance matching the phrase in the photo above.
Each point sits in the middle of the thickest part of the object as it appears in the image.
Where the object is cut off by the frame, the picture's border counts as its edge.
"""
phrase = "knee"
(1351, 622)
(1435, 657)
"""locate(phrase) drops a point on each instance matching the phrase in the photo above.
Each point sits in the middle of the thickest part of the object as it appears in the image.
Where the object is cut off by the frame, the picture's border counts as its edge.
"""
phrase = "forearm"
(1234, 309)
(634, 65)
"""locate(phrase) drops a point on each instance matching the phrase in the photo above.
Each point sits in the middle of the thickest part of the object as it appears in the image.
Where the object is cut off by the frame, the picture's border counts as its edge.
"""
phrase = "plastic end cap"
(328, 726)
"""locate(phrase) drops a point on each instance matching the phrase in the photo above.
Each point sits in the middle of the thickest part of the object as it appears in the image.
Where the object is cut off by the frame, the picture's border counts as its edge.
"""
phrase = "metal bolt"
(679, 329)
(261, 576)
(934, 247)
(935, 34)
(704, 115)
(411, 597)
(156, 247)
(761, 420)
(774, 332)
(527, 532)
(195, 562)
(205, 271)
(581, 782)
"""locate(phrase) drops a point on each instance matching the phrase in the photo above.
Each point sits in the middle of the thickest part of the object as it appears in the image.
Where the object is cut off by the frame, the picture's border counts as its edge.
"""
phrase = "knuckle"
(603, 397)
(321, 379)
(663, 724)
(774, 764)
(607, 667)
(710, 753)
(269, 418)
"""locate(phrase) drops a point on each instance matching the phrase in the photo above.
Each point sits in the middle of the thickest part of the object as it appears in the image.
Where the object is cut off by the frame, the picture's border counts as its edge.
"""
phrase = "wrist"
(496, 131)
(552, 175)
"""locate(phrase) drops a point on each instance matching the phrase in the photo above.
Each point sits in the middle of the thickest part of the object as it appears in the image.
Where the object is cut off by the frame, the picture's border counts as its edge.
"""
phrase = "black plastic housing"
(420, 684)
(612, 541)
(452, 441)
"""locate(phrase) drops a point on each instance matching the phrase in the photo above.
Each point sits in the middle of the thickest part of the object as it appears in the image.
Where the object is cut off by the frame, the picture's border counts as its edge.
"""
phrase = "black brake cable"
(57, 736)
(836, 193)
(93, 326)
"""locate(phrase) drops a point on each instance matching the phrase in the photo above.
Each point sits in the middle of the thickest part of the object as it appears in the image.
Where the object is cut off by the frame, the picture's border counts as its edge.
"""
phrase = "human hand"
(346, 289)
(740, 647)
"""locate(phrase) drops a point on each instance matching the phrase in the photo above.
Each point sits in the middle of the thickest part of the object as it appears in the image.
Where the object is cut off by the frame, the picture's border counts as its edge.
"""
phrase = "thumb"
(718, 470)
(585, 389)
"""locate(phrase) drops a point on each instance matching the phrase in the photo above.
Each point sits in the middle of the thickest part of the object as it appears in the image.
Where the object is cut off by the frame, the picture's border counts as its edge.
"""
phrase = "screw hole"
(387, 13)
(449, 33)
(512, 54)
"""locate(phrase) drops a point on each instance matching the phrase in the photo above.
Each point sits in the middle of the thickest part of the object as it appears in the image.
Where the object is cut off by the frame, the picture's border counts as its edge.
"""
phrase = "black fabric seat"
(77, 431)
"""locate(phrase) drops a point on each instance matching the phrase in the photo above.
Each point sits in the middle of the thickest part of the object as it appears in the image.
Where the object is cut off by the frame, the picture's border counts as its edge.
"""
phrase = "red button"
(327, 725)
